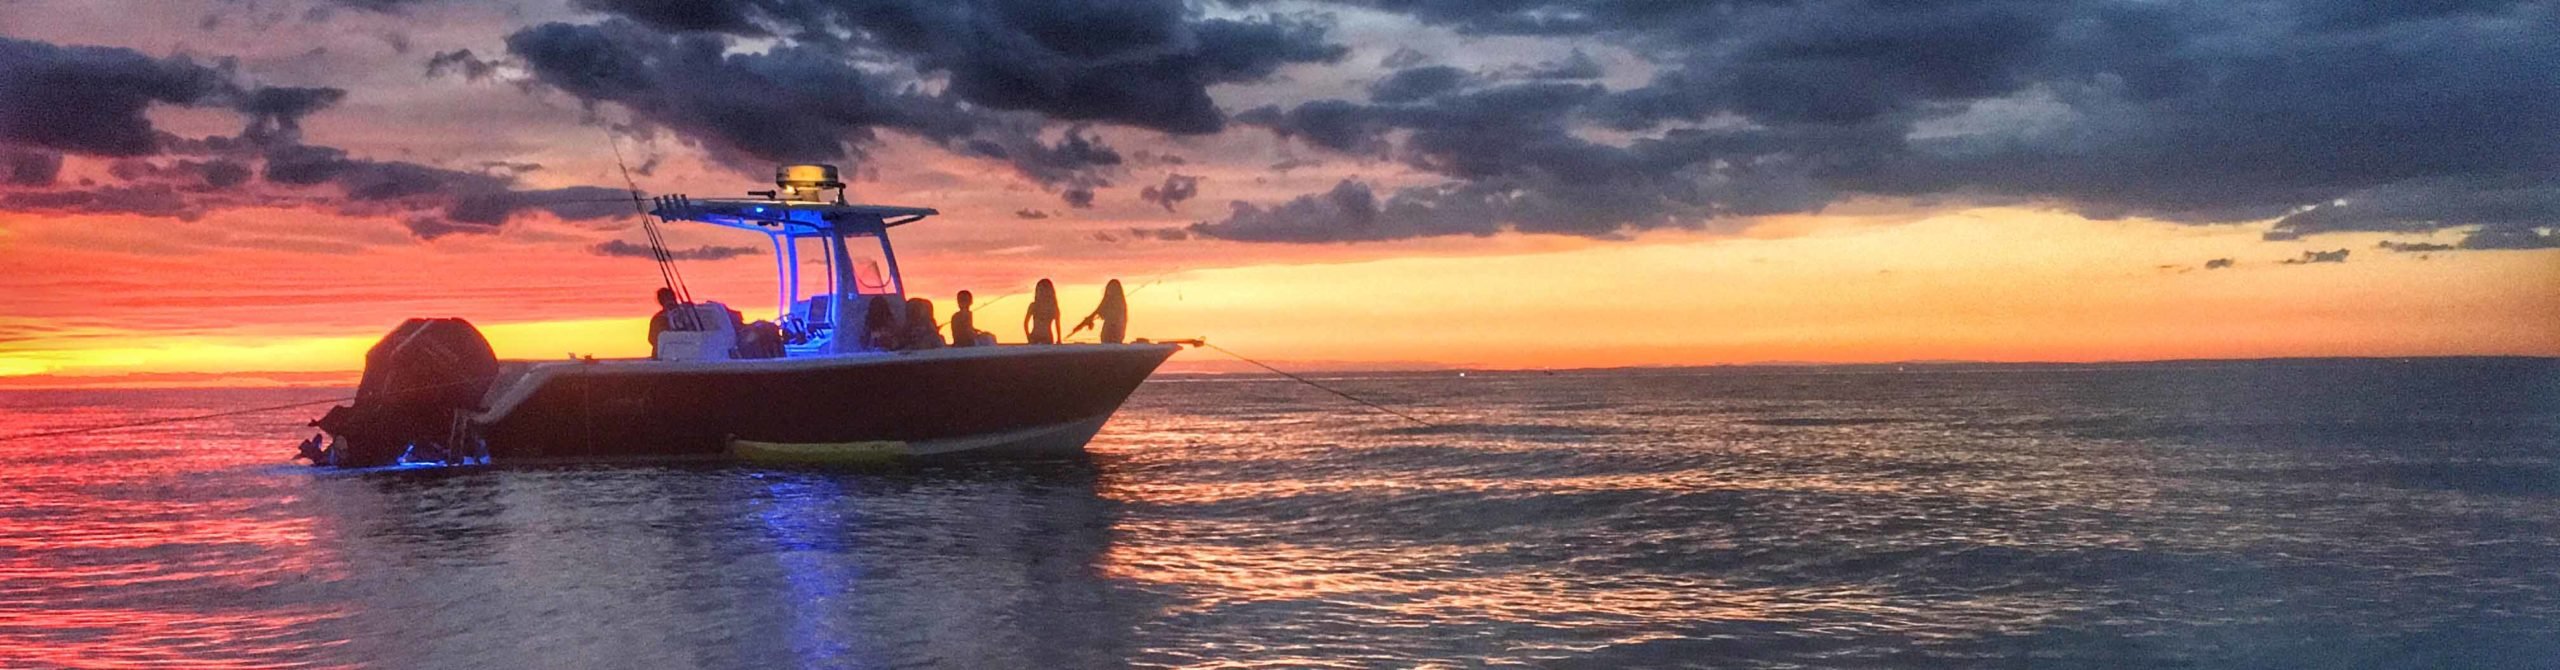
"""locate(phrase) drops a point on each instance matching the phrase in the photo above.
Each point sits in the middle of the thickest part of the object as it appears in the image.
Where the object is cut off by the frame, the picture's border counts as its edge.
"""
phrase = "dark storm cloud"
(461, 63)
(2415, 247)
(2359, 14)
(2511, 238)
(789, 104)
(1843, 63)
(1137, 234)
(1175, 189)
(146, 200)
(689, 15)
(1412, 84)
(91, 100)
(1403, 57)
(623, 249)
(1579, 65)
(459, 201)
(2511, 203)
(574, 203)
(28, 167)
(1349, 212)
(1076, 162)
(275, 113)
(2350, 116)
(1517, 164)
(1339, 125)
(186, 174)
(1145, 63)
(2485, 239)
(838, 73)
(2309, 257)
(383, 6)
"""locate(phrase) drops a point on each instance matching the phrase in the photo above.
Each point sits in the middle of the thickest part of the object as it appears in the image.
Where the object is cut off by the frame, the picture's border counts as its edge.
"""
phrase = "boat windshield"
(868, 261)
(811, 278)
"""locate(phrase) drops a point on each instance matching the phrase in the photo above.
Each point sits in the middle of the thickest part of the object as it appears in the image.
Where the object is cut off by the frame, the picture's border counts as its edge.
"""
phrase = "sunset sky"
(242, 190)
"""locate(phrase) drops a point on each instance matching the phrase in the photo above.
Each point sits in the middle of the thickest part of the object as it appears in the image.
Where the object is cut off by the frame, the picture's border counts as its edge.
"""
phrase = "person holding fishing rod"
(1114, 313)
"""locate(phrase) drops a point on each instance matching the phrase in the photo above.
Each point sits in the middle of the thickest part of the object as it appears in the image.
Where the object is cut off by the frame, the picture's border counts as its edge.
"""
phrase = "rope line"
(217, 415)
(1327, 389)
(178, 419)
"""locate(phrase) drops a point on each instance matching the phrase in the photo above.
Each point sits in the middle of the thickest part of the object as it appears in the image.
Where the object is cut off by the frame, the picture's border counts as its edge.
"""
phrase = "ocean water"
(2351, 514)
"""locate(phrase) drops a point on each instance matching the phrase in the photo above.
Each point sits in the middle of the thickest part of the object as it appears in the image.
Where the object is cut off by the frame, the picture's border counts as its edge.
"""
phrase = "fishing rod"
(945, 323)
(1087, 324)
(990, 303)
(667, 271)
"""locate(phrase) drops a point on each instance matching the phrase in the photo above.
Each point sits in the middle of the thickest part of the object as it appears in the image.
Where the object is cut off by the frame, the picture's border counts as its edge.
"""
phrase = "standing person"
(1114, 313)
(920, 331)
(964, 324)
(1040, 323)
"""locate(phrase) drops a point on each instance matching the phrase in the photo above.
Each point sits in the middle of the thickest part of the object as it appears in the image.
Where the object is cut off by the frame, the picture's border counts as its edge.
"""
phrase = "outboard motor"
(419, 382)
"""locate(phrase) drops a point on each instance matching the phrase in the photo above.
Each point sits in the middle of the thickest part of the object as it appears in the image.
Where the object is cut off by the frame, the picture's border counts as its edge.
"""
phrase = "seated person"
(666, 308)
(920, 331)
(964, 324)
(880, 323)
(677, 315)
(762, 339)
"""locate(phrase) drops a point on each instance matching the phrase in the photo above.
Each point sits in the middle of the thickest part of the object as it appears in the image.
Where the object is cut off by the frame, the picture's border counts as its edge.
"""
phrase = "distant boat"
(433, 392)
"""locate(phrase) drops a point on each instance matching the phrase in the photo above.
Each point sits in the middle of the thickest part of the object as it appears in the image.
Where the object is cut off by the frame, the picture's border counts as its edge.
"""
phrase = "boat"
(810, 386)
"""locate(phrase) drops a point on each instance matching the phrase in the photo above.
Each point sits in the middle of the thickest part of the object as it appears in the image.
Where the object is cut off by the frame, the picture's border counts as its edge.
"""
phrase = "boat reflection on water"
(992, 565)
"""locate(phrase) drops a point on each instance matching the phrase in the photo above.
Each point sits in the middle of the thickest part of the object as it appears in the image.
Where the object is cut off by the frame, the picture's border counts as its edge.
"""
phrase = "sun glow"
(1990, 284)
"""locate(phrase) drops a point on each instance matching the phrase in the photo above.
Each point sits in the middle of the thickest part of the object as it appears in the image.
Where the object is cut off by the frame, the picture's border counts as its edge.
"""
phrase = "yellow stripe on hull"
(819, 453)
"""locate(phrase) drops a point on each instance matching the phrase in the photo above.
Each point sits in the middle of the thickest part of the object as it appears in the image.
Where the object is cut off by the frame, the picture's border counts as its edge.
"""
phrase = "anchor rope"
(1327, 389)
(168, 420)
(217, 415)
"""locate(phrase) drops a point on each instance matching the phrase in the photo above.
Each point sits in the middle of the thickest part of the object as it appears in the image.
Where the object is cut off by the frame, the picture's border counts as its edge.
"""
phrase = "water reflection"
(2231, 517)
(725, 567)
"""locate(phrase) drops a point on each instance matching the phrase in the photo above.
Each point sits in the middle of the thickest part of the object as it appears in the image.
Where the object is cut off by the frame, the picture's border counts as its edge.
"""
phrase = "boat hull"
(1010, 400)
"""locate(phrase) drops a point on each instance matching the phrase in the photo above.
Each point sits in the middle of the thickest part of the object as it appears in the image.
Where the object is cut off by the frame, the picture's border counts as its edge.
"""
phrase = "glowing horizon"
(1994, 285)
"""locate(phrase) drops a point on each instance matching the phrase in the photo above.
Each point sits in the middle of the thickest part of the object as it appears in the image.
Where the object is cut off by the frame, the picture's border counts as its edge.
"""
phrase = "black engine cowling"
(416, 380)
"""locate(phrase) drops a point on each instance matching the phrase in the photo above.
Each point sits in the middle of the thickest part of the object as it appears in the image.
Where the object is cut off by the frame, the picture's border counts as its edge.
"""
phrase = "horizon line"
(277, 379)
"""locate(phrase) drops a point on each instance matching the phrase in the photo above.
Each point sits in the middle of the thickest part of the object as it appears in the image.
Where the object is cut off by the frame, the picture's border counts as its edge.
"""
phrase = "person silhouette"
(920, 331)
(964, 323)
(663, 321)
(880, 323)
(1114, 313)
(1040, 322)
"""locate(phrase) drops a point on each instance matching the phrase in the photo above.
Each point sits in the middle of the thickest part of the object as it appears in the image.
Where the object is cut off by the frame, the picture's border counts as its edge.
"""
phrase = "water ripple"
(2228, 516)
